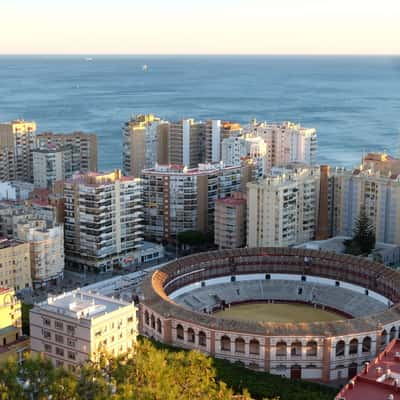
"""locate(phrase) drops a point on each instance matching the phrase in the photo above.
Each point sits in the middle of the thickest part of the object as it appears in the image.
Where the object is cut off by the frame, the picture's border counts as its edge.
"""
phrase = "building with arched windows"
(180, 298)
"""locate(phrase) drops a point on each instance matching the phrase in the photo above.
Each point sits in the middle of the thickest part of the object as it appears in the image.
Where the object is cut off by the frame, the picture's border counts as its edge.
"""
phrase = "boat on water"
(88, 59)
(145, 67)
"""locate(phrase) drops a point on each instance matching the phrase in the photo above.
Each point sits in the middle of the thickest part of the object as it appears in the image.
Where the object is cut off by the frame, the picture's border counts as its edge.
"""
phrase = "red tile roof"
(378, 379)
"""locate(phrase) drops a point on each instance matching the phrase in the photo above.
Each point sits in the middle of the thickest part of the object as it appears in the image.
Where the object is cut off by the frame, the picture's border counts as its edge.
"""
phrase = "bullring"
(179, 298)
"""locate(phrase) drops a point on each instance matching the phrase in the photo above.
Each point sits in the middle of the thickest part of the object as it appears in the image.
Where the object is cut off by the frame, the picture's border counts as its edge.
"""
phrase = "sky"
(200, 27)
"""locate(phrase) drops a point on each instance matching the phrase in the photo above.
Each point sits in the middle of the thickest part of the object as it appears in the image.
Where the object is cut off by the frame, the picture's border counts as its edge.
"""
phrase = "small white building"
(46, 242)
(77, 326)
(15, 190)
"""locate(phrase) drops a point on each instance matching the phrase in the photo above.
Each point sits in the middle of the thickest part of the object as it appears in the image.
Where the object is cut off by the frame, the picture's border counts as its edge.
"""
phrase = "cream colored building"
(46, 243)
(283, 208)
(15, 264)
(12, 342)
(350, 190)
(75, 327)
(145, 143)
(287, 142)
(17, 139)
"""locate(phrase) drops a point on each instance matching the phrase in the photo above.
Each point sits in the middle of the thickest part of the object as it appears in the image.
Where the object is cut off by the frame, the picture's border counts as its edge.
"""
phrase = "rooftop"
(5, 243)
(378, 379)
(175, 169)
(81, 305)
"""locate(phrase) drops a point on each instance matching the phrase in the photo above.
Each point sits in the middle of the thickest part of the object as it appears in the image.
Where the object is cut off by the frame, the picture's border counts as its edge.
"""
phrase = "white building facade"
(75, 327)
(46, 249)
(287, 142)
(103, 220)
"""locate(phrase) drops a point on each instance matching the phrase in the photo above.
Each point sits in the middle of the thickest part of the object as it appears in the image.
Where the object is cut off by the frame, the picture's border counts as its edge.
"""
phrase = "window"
(59, 364)
(303, 278)
(146, 317)
(46, 322)
(71, 329)
(159, 326)
(60, 351)
(71, 355)
(337, 283)
(268, 276)
(340, 348)
(392, 333)
(59, 338)
(300, 291)
(46, 334)
(179, 332)
(202, 339)
(225, 343)
(58, 325)
(254, 346)
(233, 278)
(47, 348)
(239, 345)
(281, 349)
(71, 342)
(311, 348)
(295, 349)
(191, 335)
(366, 345)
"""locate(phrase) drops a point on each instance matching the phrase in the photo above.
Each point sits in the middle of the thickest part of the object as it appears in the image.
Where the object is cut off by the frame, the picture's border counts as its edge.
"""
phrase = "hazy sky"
(200, 26)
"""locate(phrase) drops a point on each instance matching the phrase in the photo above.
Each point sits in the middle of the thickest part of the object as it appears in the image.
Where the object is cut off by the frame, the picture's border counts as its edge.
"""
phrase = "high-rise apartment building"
(186, 143)
(15, 264)
(230, 221)
(17, 140)
(379, 194)
(46, 244)
(215, 132)
(145, 143)
(12, 343)
(237, 148)
(76, 327)
(103, 214)
(287, 142)
(178, 199)
(283, 208)
(83, 148)
(51, 163)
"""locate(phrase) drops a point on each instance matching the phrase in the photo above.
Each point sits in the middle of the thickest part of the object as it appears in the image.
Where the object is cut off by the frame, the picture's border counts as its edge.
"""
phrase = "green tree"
(192, 238)
(363, 240)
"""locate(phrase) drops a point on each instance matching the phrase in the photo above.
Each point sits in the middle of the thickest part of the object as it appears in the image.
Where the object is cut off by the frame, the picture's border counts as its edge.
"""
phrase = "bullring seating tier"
(337, 298)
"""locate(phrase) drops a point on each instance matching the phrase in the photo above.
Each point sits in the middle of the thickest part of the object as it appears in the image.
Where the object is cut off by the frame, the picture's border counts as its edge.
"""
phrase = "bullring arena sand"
(269, 312)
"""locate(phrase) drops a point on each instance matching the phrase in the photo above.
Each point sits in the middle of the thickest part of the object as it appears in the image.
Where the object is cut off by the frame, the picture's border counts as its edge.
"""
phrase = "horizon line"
(207, 54)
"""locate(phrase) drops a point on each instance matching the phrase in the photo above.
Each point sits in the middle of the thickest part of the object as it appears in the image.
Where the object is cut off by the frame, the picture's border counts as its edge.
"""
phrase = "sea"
(352, 101)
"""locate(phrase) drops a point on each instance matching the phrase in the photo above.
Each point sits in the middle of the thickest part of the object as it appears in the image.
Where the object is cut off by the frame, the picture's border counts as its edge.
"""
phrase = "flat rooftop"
(377, 380)
(81, 305)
